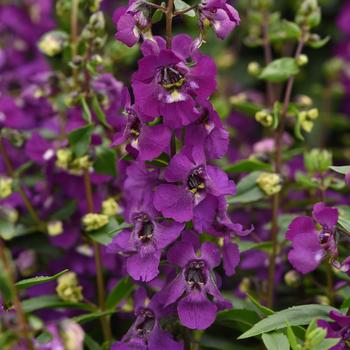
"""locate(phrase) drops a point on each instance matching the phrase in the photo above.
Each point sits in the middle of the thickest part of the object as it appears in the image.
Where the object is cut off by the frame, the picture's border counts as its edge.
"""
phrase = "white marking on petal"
(48, 154)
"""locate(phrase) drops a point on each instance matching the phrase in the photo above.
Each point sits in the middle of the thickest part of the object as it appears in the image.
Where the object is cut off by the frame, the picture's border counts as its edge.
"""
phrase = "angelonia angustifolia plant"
(173, 176)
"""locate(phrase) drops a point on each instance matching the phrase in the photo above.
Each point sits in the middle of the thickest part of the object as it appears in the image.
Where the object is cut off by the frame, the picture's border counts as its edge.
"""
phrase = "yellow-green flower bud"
(6, 184)
(317, 160)
(270, 183)
(55, 228)
(110, 207)
(306, 122)
(64, 157)
(322, 299)
(304, 101)
(254, 68)
(94, 221)
(72, 335)
(53, 43)
(302, 60)
(292, 278)
(79, 164)
(97, 21)
(264, 118)
(316, 336)
(95, 5)
(244, 286)
(239, 98)
(313, 113)
(68, 288)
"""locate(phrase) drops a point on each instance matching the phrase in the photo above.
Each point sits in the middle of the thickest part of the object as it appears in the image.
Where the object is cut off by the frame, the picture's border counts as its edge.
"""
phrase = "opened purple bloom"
(168, 81)
(309, 244)
(195, 180)
(340, 328)
(144, 242)
(194, 283)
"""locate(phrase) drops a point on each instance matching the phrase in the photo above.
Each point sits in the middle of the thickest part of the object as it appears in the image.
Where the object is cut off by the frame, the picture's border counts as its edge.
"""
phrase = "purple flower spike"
(193, 284)
(197, 180)
(146, 332)
(166, 84)
(144, 242)
(309, 245)
(340, 328)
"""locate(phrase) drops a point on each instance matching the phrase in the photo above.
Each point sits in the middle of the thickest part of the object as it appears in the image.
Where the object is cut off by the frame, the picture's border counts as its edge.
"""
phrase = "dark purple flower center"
(195, 181)
(144, 228)
(171, 78)
(324, 236)
(134, 123)
(145, 323)
(195, 274)
(345, 335)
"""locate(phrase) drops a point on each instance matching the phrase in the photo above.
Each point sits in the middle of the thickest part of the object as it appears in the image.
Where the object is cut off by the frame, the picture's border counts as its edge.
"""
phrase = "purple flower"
(194, 283)
(347, 179)
(131, 22)
(211, 216)
(169, 80)
(343, 20)
(194, 181)
(149, 141)
(310, 245)
(146, 332)
(144, 242)
(340, 328)
(222, 17)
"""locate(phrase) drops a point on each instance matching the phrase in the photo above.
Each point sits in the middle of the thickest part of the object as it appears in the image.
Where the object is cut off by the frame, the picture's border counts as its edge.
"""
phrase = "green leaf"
(121, 291)
(248, 165)
(51, 301)
(29, 282)
(275, 341)
(284, 30)
(277, 107)
(263, 309)
(99, 112)
(247, 108)
(343, 169)
(92, 316)
(280, 70)
(306, 181)
(105, 162)
(105, 234)
(91, 343)
(327, 344)
(5, 289)
(79, 139)
(182, 5)
(86, 110)
(247, 190)
(292, 339)
(7, 229)
(295, 316)
(246, 245)
(67, 210)
(157, 16)
(344, 217)
(317, 44)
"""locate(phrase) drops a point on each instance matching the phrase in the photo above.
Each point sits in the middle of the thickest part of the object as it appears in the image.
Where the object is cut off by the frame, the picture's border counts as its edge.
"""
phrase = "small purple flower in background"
(146, 332)
(340, 328)
(222, 17)
(194, 283)
(310, 244)
(195, 180)
(347, 179)
(143, 244)
(168, 81)
(131, 22)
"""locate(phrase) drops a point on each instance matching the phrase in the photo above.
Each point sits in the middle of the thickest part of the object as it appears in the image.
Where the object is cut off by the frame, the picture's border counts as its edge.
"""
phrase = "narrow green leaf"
(105, 162)
(280, 70)
(121, 291)
(344, 217)
(157, 16)
(294, 316)
(263, 309)
(92, 316)
(79, 139)
(5, 289)
(51, 301)
(343, 169)
(317, 44)
(99, 112)
(29, 282)
(275, 341)
(182, 5)
(292, 339)
(247, 165)
(327, 344)
(86, 110)
(90, 343)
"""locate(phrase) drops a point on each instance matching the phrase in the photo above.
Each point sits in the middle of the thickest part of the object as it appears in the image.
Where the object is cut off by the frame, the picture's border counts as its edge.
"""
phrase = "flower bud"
(302, 60)
(304, 101)
(292, 278)
(270, 183)
(239, 98)
(64, 157)
(95, 5)
(306, 119)
(53, 43)
(110, 207)
(97, 22)
(316, 336)
(322, 299)
(68, 288)
(264, 118)
(317, 160)
(313, 113)
(80, 164)
(72, 335)
(55, 228)
(254, 69)
(6, 184)
(96, 60)
(94, 221)
(309, 13)
(244, 286)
